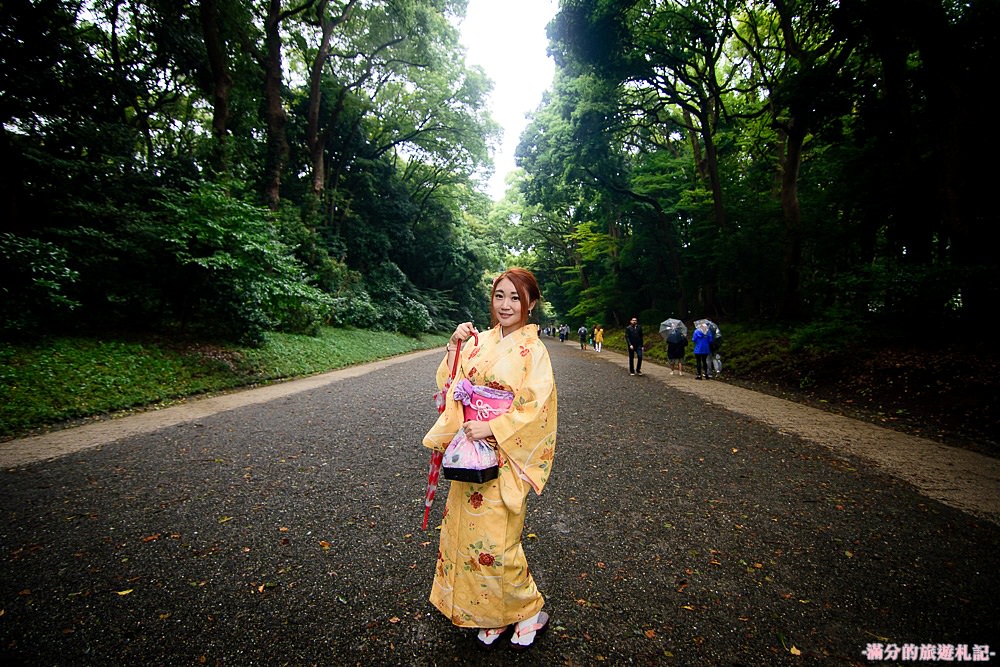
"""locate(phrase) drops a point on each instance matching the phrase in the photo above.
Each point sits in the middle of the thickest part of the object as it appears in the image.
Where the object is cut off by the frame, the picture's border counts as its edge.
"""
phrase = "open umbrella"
(672, 325)
(712, 326)
(434, 473)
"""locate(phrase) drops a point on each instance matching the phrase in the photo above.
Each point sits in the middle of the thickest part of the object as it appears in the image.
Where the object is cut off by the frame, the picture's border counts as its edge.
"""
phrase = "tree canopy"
(773, 159)
(241, 166)
(234, 167)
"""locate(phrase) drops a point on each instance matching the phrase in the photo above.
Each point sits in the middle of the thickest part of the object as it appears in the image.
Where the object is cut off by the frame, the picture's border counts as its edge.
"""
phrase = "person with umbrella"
(714, 361)
(675, 333)
(481, 579)
(702, 338)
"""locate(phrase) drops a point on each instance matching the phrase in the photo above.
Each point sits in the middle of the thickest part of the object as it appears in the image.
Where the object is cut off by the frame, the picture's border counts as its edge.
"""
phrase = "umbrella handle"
(458, 352)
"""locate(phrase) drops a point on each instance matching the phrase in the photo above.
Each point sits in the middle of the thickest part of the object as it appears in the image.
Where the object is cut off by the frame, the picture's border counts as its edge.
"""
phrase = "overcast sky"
(507, 39)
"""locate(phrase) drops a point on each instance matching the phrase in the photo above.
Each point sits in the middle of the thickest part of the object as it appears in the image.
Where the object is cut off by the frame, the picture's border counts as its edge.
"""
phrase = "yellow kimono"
(482, 578)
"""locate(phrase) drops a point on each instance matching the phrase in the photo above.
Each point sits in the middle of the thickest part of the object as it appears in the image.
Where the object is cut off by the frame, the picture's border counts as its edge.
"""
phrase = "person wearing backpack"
(582, 331)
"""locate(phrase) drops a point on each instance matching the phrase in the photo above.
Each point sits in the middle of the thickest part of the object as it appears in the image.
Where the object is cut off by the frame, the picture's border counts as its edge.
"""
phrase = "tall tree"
(800, 54)
(274, 109)
(670, 64)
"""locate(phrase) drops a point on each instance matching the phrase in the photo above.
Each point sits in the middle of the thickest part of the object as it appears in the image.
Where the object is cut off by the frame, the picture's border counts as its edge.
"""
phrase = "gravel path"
(687, 523)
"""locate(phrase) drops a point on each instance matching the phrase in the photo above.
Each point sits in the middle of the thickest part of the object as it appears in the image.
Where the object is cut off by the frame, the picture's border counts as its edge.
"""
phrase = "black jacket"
(633, 336)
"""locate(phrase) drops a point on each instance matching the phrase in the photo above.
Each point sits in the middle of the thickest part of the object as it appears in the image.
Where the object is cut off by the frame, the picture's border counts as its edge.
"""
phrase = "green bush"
(390, 289)
(34, 278)
(824, 336)
(235, 269)
(356, 310)
(414, 319)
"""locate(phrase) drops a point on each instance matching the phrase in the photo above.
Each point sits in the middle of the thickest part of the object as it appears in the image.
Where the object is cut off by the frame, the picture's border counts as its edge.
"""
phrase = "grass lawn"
(64, 379)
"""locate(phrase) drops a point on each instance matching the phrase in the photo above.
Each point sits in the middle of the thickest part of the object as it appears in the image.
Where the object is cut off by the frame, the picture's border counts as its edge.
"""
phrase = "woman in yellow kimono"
(482, 578)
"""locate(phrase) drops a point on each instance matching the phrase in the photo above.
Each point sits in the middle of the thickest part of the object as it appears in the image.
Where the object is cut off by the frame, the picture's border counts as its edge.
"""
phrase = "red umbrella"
(436, 457)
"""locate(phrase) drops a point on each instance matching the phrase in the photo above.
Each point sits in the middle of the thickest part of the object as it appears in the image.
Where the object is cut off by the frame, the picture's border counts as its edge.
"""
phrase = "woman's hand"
(463, 332)
(477, 430)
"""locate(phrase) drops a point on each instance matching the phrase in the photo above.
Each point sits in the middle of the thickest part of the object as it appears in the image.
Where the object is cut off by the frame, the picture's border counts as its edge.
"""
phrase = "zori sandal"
(528, 630)
(487, 637)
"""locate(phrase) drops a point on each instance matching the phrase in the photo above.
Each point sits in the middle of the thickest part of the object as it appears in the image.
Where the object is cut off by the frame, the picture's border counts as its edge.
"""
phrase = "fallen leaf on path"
(126, 591)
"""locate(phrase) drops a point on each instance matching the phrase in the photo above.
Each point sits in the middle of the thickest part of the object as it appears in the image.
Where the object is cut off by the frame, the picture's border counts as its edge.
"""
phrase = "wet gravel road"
(672, 532)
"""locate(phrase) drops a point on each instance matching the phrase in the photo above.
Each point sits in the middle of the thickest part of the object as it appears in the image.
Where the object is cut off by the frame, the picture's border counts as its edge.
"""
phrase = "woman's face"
(507, 306)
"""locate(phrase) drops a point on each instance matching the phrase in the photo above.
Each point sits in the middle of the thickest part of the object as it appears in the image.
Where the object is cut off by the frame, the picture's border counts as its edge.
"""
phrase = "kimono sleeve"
(443, 372)
(450, 420)
(527, 433)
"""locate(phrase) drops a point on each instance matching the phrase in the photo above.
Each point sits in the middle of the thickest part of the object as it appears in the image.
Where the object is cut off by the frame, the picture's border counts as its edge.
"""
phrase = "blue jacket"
(702, 341)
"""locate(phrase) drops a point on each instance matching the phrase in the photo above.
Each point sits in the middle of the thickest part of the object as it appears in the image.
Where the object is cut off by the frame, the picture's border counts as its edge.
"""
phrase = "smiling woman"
(508, 40)
(482, 579)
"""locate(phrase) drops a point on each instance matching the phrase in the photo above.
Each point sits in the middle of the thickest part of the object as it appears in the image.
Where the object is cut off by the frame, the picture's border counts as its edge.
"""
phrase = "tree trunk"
(277, 142)
(710, 285)
(316, 145)
(222, 82)
(315, 138)
(794, 137)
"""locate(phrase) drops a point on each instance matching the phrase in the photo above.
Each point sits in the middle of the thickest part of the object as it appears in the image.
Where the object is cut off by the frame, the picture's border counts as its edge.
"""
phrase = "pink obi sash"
(482, 403)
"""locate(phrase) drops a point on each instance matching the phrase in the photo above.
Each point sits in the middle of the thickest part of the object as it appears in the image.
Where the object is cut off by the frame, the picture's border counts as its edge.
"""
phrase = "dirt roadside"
(956, 477)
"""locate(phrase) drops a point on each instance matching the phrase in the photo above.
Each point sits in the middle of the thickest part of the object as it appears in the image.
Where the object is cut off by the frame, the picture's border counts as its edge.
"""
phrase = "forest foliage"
(765, 161)
(229, 168)
(233, 167)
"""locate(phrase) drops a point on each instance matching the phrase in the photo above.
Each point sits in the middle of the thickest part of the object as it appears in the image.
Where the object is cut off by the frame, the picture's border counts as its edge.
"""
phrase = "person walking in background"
(582, 332)
(598, 338)
(714, 360)
(702, 339)
(676, 345)
(482, 580)
(633, 338)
